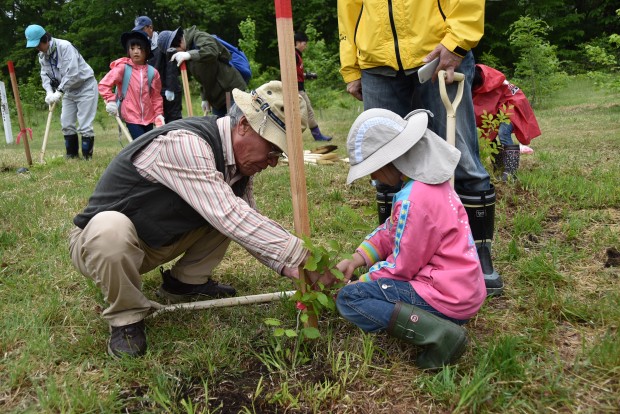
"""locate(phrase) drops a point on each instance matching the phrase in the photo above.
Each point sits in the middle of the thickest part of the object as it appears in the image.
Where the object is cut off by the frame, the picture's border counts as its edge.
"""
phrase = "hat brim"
(267, 130)
(33, 43)
(408, 137)
(431, 161)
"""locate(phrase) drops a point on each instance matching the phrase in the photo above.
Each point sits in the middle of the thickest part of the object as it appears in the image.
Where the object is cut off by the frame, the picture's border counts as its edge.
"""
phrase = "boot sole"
(491, 292)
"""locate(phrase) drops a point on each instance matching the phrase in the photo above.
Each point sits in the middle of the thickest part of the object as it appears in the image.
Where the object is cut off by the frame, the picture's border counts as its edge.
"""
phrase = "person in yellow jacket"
(382, 46)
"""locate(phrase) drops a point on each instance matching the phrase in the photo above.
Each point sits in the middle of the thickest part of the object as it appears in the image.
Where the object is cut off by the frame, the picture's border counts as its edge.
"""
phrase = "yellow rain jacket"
(400, 33)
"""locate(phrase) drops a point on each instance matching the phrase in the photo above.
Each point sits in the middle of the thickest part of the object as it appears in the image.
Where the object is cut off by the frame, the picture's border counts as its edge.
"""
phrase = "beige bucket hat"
(264, 109)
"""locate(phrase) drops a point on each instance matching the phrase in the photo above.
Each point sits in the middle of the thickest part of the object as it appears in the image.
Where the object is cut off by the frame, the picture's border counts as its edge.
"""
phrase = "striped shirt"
(185, 163)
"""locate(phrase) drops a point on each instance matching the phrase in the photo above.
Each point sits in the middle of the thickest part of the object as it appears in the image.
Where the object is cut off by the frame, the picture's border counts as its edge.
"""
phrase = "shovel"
(123, 128)
(451, 106)
(47, 131)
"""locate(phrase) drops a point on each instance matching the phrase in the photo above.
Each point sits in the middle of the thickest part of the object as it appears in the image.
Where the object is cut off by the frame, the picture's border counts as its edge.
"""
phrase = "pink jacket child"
(424, 278)
(142, 105)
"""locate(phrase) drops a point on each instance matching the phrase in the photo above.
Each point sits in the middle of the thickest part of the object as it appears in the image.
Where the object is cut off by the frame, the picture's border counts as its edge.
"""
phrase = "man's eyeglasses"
(274, 153)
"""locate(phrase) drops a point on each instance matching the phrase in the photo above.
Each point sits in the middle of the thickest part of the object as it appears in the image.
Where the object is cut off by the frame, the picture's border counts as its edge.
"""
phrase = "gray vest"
(159, 215)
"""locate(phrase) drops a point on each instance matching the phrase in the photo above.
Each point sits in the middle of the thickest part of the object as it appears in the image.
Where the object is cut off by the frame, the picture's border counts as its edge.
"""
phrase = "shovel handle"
(47, 131)
(451, 106)
(123, 128)
(188, 99)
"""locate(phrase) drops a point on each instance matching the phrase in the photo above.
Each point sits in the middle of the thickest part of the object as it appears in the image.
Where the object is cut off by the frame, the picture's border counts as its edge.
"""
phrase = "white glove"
(204, 106)
(169, 96)
(111, 108)
(180, 57)
(159, 121)
(53, 97)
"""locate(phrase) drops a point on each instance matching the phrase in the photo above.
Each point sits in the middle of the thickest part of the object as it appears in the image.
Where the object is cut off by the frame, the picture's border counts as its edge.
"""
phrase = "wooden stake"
(288, 73)
(188, 99)
(18, 104)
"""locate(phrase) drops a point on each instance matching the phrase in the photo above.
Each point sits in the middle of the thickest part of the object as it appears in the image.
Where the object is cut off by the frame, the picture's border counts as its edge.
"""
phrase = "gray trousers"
(109, 252)
(80, 105)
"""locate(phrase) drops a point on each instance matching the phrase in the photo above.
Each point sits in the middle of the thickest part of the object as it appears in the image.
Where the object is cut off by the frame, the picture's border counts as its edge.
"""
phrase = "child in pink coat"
(424, 278)
(142, 105)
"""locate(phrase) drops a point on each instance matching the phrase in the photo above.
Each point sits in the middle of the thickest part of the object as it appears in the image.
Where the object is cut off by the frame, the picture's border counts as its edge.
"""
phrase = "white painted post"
(6, 116)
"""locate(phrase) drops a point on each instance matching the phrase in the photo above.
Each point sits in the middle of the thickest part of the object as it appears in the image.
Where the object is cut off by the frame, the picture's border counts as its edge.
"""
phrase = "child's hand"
(159, 121)
(111, 108)
(348, 266)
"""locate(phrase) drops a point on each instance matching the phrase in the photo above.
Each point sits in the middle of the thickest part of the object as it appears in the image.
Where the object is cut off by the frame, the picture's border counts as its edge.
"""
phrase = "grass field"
(551, 343)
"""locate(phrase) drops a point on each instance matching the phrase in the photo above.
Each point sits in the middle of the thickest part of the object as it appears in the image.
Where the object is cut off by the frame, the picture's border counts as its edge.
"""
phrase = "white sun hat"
(379, 136)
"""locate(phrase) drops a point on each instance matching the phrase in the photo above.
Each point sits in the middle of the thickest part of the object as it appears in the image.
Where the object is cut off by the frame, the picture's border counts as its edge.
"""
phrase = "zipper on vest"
(396, 49)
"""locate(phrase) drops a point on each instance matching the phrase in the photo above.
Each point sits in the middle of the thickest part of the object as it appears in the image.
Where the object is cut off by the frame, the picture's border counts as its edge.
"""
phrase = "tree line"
(568, 27)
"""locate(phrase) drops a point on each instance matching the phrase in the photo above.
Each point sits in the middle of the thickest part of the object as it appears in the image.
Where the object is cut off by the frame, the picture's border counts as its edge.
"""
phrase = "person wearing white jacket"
(66, 76)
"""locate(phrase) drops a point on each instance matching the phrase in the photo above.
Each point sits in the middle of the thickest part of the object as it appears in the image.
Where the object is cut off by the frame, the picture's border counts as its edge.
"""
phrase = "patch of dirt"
(613, 257)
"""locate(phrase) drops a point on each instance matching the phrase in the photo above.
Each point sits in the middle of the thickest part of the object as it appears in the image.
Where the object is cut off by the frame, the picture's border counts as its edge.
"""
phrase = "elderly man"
(184, 189)
(145, 24)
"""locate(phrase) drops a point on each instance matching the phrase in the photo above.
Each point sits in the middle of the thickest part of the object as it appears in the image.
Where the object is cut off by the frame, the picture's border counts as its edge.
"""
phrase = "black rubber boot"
(385, 194)
(445, 341)
(480, 207)
(72, 146)
(510, 155)
(176, 291)
(88, 143)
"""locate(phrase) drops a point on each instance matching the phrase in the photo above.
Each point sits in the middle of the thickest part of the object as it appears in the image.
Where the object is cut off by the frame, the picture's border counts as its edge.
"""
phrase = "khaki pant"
(311, 119)
(109, 252)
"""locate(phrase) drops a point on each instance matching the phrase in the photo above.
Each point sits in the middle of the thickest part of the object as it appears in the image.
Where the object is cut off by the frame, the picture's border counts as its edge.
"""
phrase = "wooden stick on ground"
(220, 303)
(286, 48)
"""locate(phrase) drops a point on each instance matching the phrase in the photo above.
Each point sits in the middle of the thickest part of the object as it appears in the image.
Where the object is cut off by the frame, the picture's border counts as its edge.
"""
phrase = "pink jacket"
(427, 241)
(141, 105)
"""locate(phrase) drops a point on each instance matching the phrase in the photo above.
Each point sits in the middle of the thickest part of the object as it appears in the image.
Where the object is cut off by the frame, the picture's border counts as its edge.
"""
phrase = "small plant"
(487, 143)
(312, 302)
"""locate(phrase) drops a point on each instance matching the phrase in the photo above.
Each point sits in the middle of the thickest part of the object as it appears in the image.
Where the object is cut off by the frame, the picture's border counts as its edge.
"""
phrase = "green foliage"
(537, 70)
(487, 143)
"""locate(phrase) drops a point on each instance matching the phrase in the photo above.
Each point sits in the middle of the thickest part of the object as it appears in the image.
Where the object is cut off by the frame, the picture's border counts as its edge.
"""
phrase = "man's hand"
(180, 57)
(169, 95)
(355, 89)
(205, 106)
(111, 108)
(53, 97)
(448, 61)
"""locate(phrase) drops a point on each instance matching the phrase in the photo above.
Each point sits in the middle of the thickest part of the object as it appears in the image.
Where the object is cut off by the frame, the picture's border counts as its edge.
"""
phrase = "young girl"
(142, 104)
(424, 278)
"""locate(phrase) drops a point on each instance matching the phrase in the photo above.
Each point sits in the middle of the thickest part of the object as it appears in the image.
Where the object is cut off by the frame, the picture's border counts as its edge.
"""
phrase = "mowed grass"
(549, 344)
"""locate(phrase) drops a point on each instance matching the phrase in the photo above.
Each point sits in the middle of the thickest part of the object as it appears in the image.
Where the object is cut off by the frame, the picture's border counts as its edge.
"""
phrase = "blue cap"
(34, 33)
(142, 21)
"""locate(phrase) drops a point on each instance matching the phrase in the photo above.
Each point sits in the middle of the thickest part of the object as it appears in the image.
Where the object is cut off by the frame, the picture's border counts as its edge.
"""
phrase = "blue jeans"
(402, 94)
(369, 305)
(505, 133)
(136, 130)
